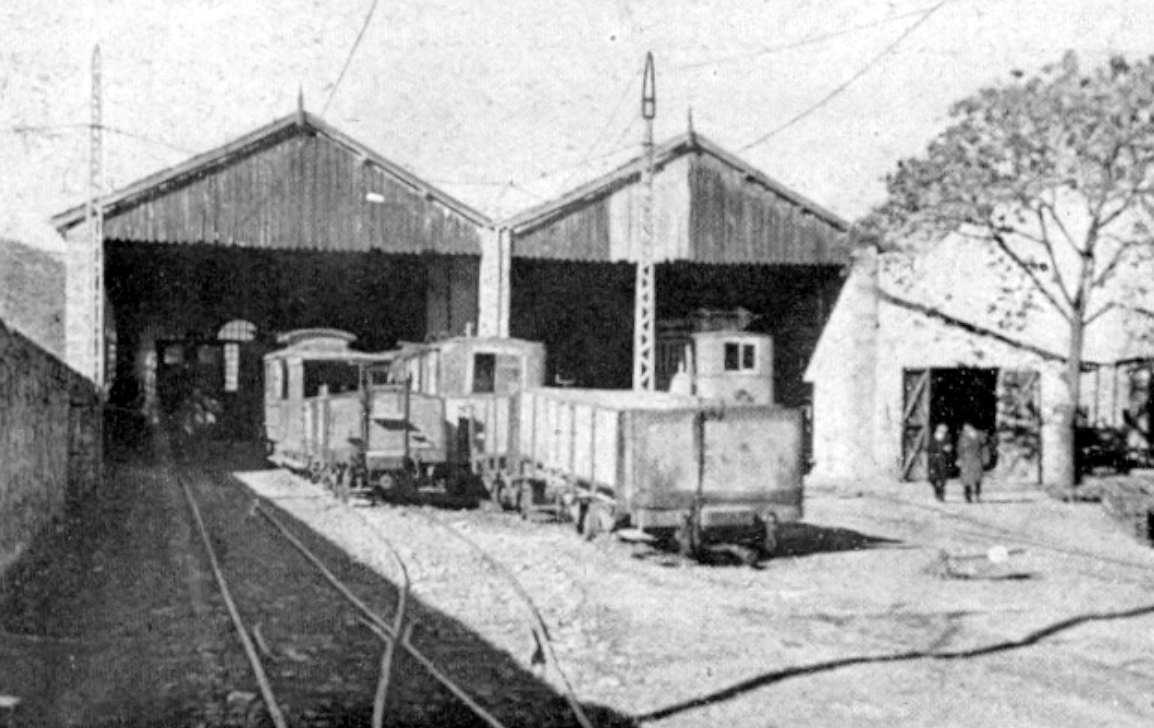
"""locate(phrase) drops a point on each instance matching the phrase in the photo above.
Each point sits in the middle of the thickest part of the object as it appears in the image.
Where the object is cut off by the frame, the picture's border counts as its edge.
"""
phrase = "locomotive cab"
(728, 365)
(477, 378)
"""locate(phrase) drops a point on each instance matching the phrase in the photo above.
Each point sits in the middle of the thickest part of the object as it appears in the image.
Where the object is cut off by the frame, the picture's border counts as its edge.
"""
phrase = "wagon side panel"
(606, 455)
(663, 459)
(752, 456)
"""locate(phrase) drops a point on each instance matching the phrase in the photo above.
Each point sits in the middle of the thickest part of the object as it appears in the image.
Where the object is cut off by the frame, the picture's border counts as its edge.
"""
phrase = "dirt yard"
(885, 608)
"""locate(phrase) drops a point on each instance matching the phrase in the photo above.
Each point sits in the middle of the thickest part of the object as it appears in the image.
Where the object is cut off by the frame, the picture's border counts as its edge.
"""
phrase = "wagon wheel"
(560, 510)
(344, 480)
(495, 487)
(688, 536)
(590, 524)
(599, 519)
(769, 540)
(525, 499)
(384, 487)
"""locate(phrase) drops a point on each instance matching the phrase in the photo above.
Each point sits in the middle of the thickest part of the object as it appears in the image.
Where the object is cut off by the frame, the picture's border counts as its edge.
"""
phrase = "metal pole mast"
(645, 325)
(95, 219)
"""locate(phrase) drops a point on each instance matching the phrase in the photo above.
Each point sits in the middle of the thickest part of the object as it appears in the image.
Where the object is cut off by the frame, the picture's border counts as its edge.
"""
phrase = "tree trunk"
(1067, 473)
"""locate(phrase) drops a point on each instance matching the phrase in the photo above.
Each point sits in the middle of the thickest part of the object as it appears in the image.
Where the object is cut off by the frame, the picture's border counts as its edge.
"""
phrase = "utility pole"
(95, 218)
(644, 324)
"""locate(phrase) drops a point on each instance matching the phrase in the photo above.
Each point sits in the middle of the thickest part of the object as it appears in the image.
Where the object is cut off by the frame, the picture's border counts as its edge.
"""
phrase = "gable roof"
(664, 153)
(297, 123)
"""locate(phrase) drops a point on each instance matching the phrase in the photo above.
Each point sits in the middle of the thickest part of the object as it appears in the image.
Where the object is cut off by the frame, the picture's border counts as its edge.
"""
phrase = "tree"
(1053, 172)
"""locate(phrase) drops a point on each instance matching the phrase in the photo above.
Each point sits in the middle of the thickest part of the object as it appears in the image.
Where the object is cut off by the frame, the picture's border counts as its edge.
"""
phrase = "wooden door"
(915, 422)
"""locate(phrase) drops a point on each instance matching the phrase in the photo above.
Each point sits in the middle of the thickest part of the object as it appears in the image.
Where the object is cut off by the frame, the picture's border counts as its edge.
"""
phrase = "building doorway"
(949, 396)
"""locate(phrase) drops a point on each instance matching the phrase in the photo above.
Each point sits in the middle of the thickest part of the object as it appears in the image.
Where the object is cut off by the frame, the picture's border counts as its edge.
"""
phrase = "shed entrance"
(944, 396)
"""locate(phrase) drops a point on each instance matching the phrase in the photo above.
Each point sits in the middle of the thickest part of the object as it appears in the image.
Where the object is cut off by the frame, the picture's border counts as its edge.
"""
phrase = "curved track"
(387, 631)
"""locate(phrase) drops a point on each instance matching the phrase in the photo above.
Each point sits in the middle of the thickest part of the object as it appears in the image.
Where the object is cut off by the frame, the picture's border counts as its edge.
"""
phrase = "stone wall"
(49, 440)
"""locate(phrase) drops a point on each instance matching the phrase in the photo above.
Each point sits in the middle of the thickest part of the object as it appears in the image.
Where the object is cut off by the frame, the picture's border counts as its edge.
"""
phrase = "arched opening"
(241, 383)
(233, 334)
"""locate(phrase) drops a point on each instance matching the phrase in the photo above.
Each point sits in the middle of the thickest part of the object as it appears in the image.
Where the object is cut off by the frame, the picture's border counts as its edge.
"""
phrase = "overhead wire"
(608, 123)
(349, 58)
(846, 84)
(48, 128)
(811, 40)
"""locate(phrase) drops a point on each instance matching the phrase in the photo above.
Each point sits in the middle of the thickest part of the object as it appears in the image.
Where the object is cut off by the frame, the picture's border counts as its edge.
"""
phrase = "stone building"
(937, 337)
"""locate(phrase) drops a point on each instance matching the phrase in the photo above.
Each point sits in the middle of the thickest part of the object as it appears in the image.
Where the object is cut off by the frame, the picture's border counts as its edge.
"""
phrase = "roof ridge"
(668, 150)
(298, 120)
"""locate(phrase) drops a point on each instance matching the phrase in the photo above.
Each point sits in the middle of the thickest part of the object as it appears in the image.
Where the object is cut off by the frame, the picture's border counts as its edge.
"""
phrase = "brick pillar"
(79, 302)
(493, 292)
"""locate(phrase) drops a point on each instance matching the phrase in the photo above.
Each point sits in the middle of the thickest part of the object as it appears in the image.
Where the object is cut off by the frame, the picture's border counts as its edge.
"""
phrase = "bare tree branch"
(1025, 268)
(1112, 266)
(1049, 207)
(1056, 270)
(1100, 313)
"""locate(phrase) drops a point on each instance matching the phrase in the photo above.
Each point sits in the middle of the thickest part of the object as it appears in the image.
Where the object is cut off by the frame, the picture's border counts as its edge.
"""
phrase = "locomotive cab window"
(338, 376)
(740, 357)
(484, 373)
(508, 376)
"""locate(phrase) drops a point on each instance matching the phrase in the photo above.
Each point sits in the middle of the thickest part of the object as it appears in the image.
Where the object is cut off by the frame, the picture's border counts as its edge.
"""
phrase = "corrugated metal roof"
(719, 210)
(296, 183)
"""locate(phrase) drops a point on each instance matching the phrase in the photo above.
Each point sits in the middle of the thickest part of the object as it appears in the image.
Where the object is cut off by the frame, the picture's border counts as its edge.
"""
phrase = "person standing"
(972, 454)
(941, 460)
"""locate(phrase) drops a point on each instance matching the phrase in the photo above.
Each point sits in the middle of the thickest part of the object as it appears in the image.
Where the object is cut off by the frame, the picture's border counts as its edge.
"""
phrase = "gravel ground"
(884, 609)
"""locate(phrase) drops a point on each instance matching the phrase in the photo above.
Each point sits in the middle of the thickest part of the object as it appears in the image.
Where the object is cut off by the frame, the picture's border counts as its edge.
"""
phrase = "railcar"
(337, 415)
(711, 463)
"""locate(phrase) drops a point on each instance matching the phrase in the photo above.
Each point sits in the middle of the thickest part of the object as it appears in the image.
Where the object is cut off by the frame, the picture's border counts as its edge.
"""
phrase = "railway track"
(382, 648)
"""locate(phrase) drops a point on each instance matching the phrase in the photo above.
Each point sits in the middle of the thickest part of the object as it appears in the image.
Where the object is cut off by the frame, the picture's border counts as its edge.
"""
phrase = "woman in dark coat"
(971, 460)
(941, 460)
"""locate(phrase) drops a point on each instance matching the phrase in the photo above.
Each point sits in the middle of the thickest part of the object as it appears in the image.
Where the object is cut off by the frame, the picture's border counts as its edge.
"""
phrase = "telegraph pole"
(95, 219)
(644, 324)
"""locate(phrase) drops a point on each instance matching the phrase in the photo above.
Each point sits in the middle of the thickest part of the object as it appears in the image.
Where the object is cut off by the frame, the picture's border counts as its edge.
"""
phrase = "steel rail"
(540, 631)
(388, 659)
(271, 705)
(387, 632)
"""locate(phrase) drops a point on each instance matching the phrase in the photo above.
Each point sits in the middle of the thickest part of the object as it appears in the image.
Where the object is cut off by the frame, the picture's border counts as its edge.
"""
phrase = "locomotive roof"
(491, 341)
(302, 336)
(326, 345)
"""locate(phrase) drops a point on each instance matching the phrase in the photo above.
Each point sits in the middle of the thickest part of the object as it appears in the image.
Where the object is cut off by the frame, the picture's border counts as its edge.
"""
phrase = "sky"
(506, 103)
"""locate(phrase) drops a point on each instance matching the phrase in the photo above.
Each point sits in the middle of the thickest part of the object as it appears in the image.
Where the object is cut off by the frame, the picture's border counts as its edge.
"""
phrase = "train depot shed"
(726, 238)
(296, 225)
(291, 226)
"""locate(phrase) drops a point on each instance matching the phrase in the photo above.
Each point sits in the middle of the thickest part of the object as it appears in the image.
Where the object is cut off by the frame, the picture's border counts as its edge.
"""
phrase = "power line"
(349, 59)
(46, 129)
(843, 86)
(811, 40)
(608, 123)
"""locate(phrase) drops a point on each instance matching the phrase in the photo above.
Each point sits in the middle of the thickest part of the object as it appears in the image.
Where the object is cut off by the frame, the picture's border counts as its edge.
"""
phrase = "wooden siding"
(582, 235)
(706, 209)
(734, 219)
(297, 191)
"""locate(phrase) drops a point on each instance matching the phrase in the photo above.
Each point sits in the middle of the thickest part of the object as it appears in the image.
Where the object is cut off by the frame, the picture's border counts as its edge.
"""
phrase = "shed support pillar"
(80, 331)
(494, 282)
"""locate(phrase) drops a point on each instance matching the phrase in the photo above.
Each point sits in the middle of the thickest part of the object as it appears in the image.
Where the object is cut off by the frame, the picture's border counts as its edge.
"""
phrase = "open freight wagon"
(714, 465)
(706, 473)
